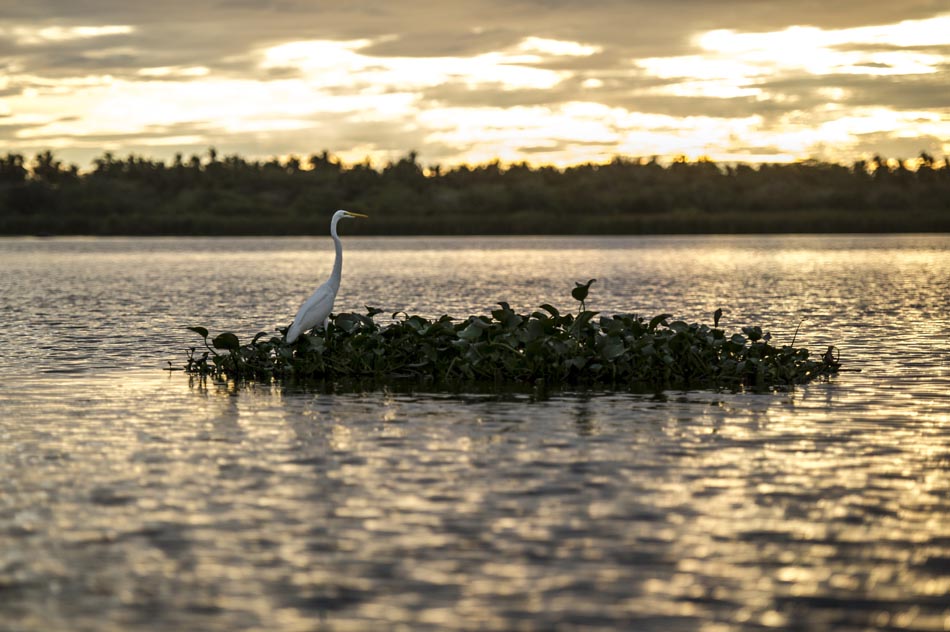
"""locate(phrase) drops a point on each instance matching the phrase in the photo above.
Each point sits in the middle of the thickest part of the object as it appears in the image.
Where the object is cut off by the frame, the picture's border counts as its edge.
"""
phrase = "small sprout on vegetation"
(580, 292)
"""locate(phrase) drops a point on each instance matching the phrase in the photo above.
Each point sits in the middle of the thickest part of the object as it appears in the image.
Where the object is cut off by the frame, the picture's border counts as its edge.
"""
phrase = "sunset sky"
(547, 81)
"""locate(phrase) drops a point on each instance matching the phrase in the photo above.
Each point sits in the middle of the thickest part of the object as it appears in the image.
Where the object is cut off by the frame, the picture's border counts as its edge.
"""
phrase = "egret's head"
(341, 214)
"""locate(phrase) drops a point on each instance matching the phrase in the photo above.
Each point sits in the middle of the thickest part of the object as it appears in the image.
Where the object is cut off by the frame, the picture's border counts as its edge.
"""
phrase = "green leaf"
(472, 332)
(347, 322)
(417, 323)
(226, 340)
(658, 320)
(201, 331)
(678, 326)
(533, 330)
(583, 318)
(612, 348)
(754, 333)
(313, 342)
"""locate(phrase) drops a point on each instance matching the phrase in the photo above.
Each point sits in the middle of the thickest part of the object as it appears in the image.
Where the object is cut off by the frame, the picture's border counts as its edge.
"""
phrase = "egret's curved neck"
(338, 262)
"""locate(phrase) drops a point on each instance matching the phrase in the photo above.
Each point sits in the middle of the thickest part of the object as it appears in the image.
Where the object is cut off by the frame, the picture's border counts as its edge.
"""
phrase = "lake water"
(133, 498)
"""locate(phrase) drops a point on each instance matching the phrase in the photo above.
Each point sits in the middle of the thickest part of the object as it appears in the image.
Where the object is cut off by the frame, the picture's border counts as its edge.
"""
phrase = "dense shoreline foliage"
(545, 349)
(210, 195)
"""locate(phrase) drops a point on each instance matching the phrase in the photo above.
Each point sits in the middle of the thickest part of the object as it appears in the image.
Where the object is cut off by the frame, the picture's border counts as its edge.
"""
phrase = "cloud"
(468, 81)
(915, 92)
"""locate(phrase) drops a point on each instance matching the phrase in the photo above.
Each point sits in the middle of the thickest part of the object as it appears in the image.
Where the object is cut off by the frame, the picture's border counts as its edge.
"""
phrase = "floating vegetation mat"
(545, 349)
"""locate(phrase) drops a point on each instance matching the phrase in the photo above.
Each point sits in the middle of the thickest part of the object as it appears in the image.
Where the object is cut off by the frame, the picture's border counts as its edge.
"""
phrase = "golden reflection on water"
(232, 506)
(131, 499)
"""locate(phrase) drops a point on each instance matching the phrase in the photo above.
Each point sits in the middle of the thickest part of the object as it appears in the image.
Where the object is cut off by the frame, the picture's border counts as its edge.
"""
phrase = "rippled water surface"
(131, 498)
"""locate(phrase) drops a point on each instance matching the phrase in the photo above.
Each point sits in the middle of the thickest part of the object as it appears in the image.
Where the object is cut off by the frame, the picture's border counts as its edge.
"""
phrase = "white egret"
(316, 309)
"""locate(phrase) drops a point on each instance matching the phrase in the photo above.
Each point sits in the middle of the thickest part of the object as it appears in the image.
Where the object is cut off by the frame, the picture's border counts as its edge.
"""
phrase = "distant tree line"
(211, 195)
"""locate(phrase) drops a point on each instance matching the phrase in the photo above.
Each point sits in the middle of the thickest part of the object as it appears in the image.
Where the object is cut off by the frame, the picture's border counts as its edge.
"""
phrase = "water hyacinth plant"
(544, 348)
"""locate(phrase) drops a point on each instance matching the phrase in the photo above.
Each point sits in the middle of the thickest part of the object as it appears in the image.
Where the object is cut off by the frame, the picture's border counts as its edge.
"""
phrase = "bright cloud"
(825, 52)
(739, 59)
(557, 47)
(559, 87)
(30, 35)
(342, 65)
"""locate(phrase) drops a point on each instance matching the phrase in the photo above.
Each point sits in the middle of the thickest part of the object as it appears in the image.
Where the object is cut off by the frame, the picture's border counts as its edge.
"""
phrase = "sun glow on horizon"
(537, 99)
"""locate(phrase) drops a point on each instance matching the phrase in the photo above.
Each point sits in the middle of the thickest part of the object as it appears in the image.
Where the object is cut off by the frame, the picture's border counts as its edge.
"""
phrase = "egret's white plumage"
(317, 308)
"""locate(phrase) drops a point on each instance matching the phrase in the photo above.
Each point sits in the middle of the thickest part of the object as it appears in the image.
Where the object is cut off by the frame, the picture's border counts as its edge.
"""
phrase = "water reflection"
(156, 504)
(131, 499)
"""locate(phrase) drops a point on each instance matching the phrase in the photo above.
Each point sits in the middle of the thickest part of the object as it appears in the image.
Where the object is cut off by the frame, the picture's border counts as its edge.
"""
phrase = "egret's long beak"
(352, 214)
